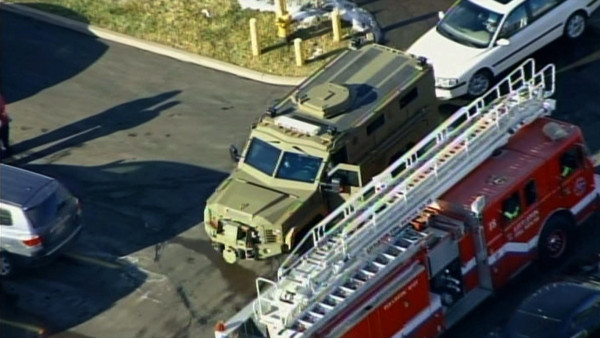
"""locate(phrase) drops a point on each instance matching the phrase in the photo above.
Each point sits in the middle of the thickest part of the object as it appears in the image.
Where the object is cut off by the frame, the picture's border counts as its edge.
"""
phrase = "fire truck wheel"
(229, 255)
(554, 240)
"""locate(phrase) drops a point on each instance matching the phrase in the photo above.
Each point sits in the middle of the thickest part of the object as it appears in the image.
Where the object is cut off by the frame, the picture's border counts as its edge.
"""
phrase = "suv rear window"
(45, 212)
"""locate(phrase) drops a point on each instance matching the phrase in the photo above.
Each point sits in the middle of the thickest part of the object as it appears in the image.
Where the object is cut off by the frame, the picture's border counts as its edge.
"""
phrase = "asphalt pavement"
(143, 140)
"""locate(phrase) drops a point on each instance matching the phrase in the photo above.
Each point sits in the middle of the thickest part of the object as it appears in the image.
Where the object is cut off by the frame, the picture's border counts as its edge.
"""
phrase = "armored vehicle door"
(341, 182)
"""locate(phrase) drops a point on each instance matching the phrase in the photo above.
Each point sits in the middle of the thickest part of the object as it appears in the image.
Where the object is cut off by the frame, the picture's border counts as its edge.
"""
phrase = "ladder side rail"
(354, 203)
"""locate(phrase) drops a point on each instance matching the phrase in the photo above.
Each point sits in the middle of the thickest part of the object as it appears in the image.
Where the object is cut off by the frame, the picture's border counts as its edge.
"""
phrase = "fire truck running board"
(370, 235)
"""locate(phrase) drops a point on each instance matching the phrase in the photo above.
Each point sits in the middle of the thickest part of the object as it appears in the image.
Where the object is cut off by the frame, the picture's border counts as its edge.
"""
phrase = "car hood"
(249, 202)
(450, 59)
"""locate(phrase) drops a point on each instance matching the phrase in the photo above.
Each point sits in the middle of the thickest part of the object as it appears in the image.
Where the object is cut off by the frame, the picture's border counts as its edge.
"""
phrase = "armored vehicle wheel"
(229, 255)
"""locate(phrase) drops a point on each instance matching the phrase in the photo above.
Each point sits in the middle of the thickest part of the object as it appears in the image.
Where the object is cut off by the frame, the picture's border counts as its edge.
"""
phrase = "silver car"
(38, 218)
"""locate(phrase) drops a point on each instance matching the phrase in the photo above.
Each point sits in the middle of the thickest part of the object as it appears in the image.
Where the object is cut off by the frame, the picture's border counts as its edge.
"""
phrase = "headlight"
(443, 82)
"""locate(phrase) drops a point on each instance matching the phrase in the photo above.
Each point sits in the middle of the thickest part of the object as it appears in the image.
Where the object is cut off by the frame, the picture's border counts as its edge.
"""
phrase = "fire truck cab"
(528, 195)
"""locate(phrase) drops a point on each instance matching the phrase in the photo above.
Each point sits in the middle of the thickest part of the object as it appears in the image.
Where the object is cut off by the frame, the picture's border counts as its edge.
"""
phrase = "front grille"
(270, 237)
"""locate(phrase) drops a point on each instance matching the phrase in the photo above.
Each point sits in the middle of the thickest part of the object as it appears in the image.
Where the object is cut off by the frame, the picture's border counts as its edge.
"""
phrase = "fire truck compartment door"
(443, 252)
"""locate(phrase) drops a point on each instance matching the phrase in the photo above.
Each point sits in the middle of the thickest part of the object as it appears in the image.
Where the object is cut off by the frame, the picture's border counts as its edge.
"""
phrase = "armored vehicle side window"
(262, 156)
(347, 177)
(511, 208)
(570, 161)
(371, 128)
(530, 193)
(5, 217)
(409, 97)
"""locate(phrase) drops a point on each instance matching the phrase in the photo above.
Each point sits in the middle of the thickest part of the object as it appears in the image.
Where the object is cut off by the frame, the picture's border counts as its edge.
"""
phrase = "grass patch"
(223, 36)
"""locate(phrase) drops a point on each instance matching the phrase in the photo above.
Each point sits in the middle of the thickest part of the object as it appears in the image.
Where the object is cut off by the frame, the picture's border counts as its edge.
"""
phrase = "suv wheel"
(575, 25)
(7, 266)
(479, 83)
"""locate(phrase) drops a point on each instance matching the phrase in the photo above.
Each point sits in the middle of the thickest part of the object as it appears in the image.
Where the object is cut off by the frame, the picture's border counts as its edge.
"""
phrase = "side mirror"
(234, 153)
(333, 186)
(502, 42)
(440, 15)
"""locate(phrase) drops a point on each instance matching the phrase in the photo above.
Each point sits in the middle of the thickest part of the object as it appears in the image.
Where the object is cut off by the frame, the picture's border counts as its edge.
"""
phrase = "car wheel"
(7, 266)
(575, 25)
(554, 241)
(479, 83)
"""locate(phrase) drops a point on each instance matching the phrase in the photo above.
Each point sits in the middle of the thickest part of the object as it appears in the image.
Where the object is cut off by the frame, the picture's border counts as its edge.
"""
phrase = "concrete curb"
(150, 46)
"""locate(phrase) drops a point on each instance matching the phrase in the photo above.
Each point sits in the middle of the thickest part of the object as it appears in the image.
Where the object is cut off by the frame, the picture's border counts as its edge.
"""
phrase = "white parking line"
(93, 260)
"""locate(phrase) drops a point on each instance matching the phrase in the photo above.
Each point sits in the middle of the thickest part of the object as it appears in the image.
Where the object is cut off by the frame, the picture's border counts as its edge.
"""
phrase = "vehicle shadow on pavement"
(34, 58)
(122, 117)
(62, 295)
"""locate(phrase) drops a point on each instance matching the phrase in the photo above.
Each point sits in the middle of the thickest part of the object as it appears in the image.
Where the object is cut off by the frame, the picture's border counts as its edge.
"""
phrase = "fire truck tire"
(554, 242)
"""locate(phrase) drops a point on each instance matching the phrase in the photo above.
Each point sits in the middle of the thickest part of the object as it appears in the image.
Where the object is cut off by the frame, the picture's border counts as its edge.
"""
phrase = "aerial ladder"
(370, 235)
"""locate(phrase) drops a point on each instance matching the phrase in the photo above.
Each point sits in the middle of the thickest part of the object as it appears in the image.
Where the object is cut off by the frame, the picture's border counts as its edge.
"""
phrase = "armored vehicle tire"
(230, 255)
(554, 242)
(575, 25)
(7, 266)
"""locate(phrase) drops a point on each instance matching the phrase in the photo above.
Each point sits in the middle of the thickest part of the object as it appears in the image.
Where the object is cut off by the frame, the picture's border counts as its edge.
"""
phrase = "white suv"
(475, 40)
(38, 218)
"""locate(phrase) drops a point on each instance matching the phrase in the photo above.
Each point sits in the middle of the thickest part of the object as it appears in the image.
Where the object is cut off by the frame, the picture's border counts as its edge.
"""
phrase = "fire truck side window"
(530, 193)
(569, 162)
(511, 208)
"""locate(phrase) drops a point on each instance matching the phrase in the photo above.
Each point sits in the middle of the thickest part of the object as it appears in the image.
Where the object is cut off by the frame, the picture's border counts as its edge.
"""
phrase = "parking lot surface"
(143, 140)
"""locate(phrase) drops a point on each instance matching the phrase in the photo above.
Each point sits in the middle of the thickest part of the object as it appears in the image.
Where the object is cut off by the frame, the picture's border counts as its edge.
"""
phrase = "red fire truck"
(495, 187)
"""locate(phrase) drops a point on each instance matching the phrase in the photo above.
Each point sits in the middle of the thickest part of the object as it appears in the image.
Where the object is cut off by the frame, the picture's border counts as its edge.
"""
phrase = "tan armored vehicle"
(343, 125)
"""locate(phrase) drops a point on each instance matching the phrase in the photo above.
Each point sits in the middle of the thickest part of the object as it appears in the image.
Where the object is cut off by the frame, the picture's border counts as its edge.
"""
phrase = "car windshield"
(262, 156)
(469, 24)
(293, 166)
(299, 167)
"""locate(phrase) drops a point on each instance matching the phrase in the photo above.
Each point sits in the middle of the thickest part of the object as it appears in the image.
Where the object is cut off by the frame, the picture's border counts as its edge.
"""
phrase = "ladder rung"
(379, 265)
(357, 281)
(337, 298)
(315, 314)
(367, 272)
(388, 256)
(399, 248)
(305, 323)
(326, 306)
(346, 289)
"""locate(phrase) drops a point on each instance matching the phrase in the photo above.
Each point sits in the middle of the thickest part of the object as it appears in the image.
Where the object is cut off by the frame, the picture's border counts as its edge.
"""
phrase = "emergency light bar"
(296, 125)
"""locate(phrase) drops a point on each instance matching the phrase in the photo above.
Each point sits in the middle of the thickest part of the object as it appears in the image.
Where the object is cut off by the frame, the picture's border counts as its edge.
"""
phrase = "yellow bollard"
(336, 22)
(254, 37)
(298, 52)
